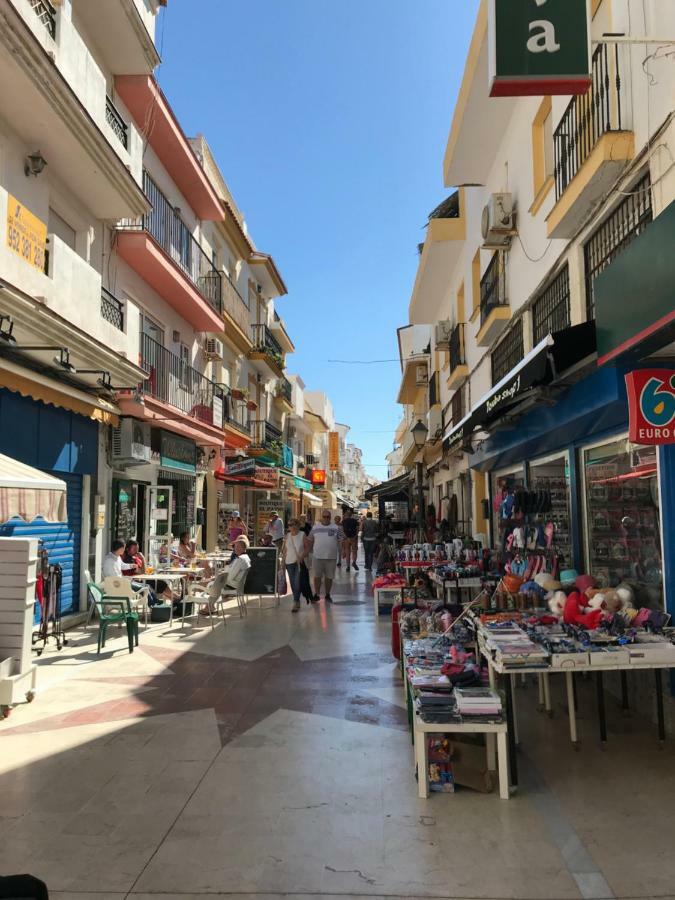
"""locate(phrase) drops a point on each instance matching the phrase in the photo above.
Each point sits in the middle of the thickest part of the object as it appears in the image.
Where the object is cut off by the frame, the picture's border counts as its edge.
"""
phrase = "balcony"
(283, 395)
(162, 250)
(591, 144)
(117, 124)
(112, 309)
(120, 34)
(459, 371)
(179, 385)
(236, 420)
(494, 305)
(237, 315)
(267, 349)
(281, 334)
(266, 440)
(46, 13)
(312, 461)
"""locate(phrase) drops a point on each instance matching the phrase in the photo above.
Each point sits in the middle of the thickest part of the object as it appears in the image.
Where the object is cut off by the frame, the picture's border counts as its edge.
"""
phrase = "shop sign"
(217, 409)
(333, 450)
(539, 47)
(26, 234)
(242, 467)
(318, 476)
(269, 475)
(177, 452)
(302, 484)
(651, 406)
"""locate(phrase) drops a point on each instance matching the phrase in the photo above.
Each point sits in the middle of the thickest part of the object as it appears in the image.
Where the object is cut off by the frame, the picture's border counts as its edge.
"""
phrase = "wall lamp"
(34, 164)
(419, 433)
(105, 381)
(7, 329)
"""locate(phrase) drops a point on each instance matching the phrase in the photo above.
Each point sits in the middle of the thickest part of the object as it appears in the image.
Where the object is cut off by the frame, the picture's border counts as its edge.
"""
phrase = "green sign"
(539, 47)
(177, 452)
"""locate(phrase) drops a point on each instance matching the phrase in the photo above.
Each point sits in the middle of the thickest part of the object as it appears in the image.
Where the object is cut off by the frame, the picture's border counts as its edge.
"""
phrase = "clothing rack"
(48, 595)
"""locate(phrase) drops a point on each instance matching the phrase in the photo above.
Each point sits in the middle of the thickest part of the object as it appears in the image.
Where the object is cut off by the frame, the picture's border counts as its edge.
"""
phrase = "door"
(159, 506)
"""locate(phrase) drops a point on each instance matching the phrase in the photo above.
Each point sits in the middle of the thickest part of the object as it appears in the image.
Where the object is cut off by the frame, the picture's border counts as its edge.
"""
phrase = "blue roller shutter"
(63, 541)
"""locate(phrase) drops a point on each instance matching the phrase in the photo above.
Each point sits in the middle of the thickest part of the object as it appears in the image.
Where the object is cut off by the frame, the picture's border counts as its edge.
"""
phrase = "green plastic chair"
(113, 609)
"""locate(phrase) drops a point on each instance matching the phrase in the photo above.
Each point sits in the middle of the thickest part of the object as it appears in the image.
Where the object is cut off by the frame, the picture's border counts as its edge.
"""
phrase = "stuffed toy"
(611, 600)
(574, 613)
(556, 602)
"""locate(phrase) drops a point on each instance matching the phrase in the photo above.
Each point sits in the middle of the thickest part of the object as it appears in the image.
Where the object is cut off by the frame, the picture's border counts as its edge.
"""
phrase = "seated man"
(233, 576)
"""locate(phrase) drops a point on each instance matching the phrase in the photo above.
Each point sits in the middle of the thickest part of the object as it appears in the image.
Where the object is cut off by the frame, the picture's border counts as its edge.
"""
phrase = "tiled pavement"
(270, 757)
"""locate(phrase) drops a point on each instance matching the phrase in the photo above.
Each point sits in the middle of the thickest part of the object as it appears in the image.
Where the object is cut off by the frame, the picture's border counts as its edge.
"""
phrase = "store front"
(64, 444)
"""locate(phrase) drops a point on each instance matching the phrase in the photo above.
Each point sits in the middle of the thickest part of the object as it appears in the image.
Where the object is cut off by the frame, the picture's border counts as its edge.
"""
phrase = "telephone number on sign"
(22, 245)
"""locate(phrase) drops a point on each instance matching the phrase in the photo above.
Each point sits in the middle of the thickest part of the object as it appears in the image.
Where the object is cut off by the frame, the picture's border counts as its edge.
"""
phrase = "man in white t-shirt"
(275, 529)
(323, 541)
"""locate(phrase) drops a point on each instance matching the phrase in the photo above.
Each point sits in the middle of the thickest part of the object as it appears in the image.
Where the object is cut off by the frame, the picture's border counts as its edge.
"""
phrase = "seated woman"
(135, 565)
(185, 551)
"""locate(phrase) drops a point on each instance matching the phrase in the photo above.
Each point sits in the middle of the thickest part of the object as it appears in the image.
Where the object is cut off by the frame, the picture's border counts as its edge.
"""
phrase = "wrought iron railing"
(434, 394)
(493, 287)
(508, 353)
(285, 389)
(235, 412)
(265, 342)
(173, 381)
(620, 228)
(46, 13)
(235, 306)
(174, 237)
(112, 309)
(114, 118)
(588, 117)
(264, 434)
(311, 460)
(457, 410)
(551, 310)
(457, 347)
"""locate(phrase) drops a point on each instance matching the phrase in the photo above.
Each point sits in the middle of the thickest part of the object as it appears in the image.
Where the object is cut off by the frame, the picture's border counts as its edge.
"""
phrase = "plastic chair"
(237, 590)
(113, 609)
(113, 586)
(209, 596)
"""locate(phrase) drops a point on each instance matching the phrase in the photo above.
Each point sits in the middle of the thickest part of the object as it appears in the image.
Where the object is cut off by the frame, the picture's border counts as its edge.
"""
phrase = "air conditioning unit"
(443, 333)
(131, 443)
(421, 375)
(499, 222)
(213, 348)
(434, 423)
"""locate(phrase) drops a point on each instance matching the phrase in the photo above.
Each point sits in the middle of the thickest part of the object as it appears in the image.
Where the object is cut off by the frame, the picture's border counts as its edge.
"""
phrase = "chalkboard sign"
(262, 576)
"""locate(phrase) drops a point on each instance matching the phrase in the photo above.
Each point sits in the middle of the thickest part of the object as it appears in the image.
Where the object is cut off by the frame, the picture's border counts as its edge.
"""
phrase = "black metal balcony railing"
(457, 347)
(174, 382)
(114, 118)
(493, 286)
(285, 389)
(551, 309)
(264, 340)
(457, 409)
(508, 353)
(112, 309)
(588, 117)
(46, 13)
(311, 460)
(175, 238)
(264, 434)
(235, 412)
(235, 306)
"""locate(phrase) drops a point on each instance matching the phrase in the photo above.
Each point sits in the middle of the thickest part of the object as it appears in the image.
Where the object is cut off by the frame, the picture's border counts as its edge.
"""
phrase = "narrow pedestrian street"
(271, 756)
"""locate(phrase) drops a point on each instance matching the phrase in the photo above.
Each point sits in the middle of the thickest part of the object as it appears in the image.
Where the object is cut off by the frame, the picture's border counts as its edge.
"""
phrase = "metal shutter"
(63, 541)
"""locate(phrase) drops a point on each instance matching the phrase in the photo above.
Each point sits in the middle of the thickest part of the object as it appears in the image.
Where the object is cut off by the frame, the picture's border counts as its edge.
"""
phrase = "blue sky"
(329, 121)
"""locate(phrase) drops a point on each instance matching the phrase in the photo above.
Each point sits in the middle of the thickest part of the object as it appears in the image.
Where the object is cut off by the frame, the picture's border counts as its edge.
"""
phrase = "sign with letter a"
(539, 47)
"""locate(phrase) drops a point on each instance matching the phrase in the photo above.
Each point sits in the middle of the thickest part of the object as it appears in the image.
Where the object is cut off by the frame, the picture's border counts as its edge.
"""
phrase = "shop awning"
(391, 489)
(311, 499)
(549, 364)
(29, 493)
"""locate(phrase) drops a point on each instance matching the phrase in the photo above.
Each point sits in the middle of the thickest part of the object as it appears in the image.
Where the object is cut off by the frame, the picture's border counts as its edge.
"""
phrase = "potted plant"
(239, 393)
(251, 405)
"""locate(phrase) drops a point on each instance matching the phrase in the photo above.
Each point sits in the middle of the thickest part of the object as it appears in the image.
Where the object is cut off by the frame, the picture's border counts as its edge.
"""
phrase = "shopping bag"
(283, 583)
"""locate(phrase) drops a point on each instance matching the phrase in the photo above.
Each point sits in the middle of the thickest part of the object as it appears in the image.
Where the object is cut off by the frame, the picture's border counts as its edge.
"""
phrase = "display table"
(385, 598)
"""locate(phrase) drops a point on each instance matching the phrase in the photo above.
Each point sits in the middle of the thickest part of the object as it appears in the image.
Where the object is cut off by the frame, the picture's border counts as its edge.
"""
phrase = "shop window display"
(623, 540)
(504, 488)
(550, 480)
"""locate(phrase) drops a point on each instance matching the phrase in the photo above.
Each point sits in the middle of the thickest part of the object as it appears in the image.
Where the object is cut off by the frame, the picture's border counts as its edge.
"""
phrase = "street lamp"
(419, 432)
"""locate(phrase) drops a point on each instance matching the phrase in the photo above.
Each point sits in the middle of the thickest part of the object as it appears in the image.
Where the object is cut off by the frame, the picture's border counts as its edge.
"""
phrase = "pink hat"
(583, 582)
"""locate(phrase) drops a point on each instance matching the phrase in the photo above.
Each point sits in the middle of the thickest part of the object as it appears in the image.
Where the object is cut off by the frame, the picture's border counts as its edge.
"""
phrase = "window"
(151, 328)
(508, 354)
(551, 310)
(61, 229)
(184, 366)
(618, 231)
(543, 161)
(457, 406)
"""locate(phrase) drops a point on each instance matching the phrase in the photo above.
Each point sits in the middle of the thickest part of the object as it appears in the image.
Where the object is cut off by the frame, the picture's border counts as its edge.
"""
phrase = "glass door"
(159, 517)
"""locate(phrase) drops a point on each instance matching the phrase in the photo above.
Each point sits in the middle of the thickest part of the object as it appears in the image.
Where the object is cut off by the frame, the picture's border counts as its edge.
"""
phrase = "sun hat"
(242, 539)
(583, 582)
(569, 576)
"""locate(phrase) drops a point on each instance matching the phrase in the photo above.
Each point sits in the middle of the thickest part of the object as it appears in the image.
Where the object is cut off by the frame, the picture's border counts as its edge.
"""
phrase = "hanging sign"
(242, 467)
(333, 450)
(651, 406)
(539, 47)
(318, 476)
(26, 234)
(269, 475)
(217, 409)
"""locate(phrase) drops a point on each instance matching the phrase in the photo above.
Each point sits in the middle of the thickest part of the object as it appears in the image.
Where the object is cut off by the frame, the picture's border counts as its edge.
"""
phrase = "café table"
(173, 576)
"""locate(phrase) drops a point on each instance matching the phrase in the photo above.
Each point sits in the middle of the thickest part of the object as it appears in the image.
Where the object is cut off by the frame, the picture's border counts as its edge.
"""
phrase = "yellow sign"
(333, 450)
(26, 234)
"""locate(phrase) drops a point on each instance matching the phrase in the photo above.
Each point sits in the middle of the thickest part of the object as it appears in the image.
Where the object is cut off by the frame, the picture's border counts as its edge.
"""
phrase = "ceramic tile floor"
(270, 757)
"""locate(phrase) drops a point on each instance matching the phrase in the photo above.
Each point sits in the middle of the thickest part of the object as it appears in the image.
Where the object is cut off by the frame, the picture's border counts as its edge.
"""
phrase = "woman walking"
(294, 553)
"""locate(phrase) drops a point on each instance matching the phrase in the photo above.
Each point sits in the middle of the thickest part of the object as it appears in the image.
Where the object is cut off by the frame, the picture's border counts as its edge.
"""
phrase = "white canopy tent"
(28, 493)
